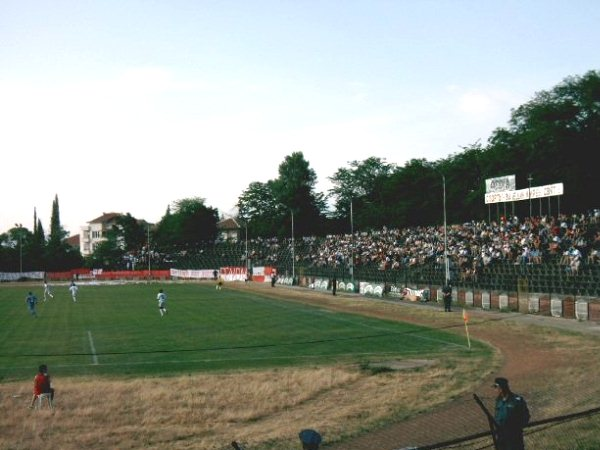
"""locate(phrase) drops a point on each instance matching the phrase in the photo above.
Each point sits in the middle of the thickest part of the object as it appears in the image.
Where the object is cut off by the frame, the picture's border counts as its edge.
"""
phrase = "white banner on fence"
(192, 274)
(525, 194)
(233, 273)
(366, 288)
(500, 184)
(14, 276)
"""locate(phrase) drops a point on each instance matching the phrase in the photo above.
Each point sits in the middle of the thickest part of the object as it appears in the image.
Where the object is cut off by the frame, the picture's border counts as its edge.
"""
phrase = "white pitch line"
(93, 349)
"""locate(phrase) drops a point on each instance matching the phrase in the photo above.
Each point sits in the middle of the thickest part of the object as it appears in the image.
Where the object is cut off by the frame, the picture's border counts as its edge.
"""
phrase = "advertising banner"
(507, 196)
(500, 184)
(548, 190)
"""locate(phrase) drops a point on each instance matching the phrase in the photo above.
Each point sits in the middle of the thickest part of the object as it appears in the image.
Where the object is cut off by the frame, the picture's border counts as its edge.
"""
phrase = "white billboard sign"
(546, 191)
(507, 196)
(525, 194)
(500, 184)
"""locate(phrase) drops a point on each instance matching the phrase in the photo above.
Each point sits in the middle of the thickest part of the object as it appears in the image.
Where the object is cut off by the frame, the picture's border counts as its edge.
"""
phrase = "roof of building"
(228, 224)
(105, 217)
(73, 241)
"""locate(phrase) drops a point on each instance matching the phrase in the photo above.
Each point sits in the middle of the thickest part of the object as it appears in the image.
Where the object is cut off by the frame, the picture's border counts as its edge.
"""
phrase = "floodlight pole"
(149, 254)
(246, 227)
(351, 244)
(293, 252)
(530, 179)
(446, 265)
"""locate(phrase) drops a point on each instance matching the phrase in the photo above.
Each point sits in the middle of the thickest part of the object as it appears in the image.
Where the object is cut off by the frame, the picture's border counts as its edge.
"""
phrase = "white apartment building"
(95, 231)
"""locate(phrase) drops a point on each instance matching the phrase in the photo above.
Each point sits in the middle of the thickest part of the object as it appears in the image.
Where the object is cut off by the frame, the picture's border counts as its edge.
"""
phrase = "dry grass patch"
(264, 409)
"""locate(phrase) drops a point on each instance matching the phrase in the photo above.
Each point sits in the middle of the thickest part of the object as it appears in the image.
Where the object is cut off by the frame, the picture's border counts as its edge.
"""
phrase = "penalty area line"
(92, 348)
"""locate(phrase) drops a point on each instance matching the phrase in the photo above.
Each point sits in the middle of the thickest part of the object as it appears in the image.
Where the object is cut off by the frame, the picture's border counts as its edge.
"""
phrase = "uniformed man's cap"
(501, 382)
(310, 438)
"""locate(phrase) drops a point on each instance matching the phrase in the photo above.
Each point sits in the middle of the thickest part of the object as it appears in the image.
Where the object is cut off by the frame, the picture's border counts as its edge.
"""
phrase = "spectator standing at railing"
(447, 295)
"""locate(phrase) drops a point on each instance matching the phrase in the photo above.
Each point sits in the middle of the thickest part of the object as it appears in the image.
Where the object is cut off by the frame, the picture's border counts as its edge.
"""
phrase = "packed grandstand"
(554, 254)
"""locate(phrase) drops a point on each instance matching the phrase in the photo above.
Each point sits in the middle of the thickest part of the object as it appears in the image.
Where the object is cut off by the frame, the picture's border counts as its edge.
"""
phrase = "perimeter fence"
(561, 419)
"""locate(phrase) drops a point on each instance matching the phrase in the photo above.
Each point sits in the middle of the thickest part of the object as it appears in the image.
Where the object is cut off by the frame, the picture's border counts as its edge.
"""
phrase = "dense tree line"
(552, 138)
(22, 250)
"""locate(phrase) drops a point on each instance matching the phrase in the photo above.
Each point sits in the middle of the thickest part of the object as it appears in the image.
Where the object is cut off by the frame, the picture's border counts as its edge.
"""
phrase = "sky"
(130, 105)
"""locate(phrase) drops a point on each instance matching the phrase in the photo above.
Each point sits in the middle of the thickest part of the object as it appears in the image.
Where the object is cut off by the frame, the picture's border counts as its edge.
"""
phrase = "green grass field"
(116, 330)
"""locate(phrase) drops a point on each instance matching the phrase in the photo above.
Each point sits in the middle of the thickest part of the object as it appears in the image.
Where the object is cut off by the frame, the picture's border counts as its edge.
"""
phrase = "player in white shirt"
(162, 302)
(73, 288)
(47, 291)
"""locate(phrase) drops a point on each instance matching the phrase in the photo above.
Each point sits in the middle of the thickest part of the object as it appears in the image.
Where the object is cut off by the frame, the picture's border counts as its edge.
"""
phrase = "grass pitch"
(117, 330)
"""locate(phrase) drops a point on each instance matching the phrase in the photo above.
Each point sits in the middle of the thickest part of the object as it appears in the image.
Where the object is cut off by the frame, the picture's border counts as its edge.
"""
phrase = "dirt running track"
(531, 367)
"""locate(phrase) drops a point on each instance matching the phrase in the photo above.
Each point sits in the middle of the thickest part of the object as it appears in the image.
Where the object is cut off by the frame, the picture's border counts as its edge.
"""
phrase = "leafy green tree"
(190, 223)
(165, 232)
(15, 249)
(130, 233)
(108, 254)
(350, 184)
(294, 192)
(197, 222)
(257, 207)
(552, 136)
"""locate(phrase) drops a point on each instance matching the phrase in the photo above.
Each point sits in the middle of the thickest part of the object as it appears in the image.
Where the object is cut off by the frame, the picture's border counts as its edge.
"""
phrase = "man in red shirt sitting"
(41, 385)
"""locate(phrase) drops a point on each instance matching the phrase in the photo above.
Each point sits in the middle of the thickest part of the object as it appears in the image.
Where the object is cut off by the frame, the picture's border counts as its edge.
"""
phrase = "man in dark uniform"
(511, 416)
(447, 294)
(334, 285)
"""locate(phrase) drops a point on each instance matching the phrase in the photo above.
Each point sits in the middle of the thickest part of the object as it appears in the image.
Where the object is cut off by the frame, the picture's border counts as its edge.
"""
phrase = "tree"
(15, 249)
(356, 182)
(108, 254)
(197, 222)
(59, 255)
(165, 233)
(257, 208)
(294, 192)
(550, 137)
(130, 233)
(38, 243)
(190, 223)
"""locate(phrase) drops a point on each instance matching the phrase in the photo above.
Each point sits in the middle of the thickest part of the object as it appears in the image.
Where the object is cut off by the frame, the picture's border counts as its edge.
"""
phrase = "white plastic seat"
(44, 397)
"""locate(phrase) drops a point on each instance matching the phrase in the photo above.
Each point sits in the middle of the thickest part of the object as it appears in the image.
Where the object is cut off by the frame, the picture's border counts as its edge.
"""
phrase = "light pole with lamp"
(149, 254)
(530, 179)
(446, 264)
(246, 243)
(351, 245)
(293, 251)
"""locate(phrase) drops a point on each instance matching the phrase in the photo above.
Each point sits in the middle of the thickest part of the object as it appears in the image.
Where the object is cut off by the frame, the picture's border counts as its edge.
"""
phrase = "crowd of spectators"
(569, 240)
(472, 246)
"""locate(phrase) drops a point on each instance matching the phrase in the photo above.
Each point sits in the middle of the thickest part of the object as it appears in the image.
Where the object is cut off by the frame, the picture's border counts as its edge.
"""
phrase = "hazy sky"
(128, 106)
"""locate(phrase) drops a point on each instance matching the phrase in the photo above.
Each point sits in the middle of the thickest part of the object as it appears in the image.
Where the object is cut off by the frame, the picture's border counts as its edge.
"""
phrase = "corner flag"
(466, 319)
